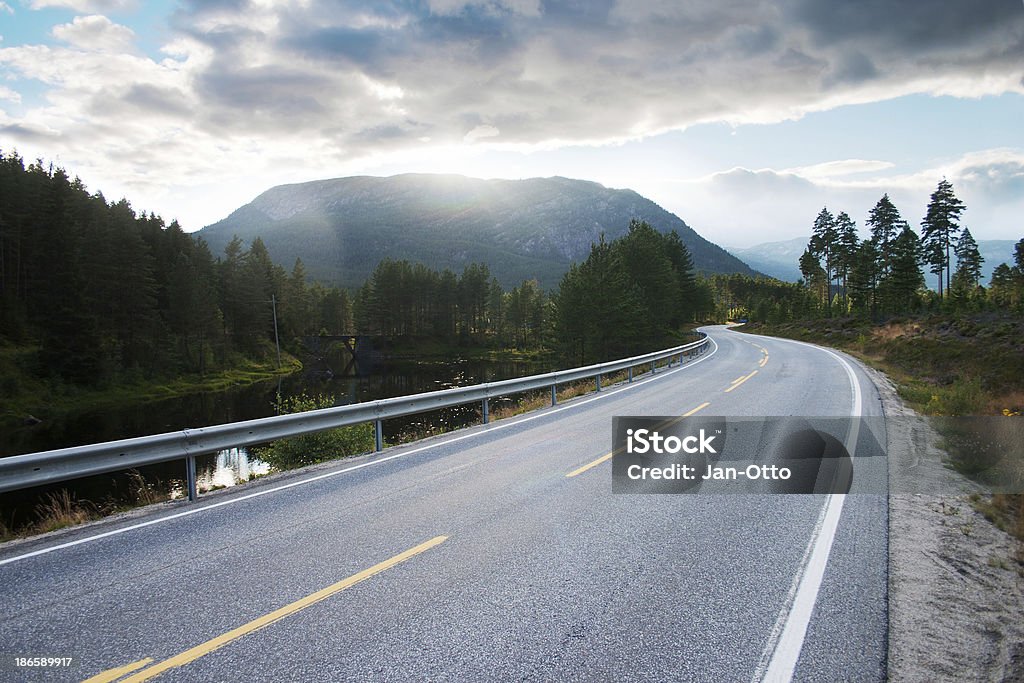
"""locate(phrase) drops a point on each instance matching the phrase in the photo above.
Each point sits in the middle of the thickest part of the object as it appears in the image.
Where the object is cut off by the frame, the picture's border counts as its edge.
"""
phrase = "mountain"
(782, 259)
(521, 229)
(779, 259)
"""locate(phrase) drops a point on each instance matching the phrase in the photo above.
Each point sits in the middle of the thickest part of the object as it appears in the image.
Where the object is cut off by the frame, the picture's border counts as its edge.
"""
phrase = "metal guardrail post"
(190, 477)
(485, 411)
(554, 394)
(597, 380)
(630, 373)
(378, 436)
(654, 367)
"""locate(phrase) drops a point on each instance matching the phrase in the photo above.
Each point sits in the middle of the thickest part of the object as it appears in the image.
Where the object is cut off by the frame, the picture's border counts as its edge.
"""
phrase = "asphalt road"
(515, 571)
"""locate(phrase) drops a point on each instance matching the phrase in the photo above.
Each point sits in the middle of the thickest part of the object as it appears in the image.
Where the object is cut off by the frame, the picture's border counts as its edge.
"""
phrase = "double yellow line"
(220, 641)
(607, 456)
(740, 380)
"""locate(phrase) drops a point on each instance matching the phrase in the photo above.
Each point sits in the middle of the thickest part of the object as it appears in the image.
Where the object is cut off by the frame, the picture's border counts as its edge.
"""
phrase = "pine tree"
(823, 247)
(968, 258)
(845, 250)
(905, 279)
(939, 230)
(885, 223)
(864, 274)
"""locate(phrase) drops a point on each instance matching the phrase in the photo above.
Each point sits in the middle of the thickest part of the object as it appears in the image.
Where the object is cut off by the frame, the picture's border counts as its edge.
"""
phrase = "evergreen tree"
(939, 230)
(864, 275)
(903, 282)
(885, 223)
(823, 247)
(968, 259)
(845, 250)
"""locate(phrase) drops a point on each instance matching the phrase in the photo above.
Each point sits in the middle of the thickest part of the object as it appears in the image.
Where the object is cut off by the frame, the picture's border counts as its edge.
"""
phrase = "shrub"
(300, 451)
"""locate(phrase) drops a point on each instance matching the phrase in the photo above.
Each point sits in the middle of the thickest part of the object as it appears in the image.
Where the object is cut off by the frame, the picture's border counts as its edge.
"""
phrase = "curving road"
(474, 557)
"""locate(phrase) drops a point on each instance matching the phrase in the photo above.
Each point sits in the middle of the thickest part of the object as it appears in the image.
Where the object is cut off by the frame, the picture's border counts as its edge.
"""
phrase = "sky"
(743, 118)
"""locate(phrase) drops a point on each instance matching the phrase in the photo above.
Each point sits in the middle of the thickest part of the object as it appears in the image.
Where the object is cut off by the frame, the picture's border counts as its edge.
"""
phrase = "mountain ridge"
(531, 228)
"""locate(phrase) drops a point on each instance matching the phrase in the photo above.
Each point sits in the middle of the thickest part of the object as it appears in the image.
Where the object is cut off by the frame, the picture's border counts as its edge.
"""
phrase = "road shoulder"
(956, 594)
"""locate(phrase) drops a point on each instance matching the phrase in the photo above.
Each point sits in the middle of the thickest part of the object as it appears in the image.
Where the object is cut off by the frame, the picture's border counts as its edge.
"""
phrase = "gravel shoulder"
(956, 595)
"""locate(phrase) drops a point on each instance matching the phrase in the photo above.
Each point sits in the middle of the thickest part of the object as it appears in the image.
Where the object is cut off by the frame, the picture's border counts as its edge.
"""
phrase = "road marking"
(780, 656)
(256, 624)
(581, 470)
(702, 406)
(740, 381)
(606, 456)
(113, 674)
(503, 424)
(764, 361)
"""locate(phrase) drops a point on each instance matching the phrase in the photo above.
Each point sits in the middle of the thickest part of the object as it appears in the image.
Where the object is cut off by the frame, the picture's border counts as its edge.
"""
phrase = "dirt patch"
(956, 594)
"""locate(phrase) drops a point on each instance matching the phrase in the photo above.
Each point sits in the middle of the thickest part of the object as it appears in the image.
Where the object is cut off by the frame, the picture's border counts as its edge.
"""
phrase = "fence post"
(378, 436)
(486, 415)
(190, 477)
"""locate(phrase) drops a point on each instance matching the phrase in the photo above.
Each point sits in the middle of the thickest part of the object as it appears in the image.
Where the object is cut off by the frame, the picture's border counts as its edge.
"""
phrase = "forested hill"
(522, 229)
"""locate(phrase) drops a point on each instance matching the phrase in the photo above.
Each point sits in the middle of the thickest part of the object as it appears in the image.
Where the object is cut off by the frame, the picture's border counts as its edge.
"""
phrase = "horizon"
(742, 123)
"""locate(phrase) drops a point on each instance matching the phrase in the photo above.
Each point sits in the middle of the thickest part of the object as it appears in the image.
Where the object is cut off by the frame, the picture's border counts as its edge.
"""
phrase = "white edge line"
(787, 638)
(490, 428)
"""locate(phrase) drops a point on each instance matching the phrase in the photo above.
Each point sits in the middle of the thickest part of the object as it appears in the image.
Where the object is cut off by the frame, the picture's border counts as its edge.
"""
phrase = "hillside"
(521, 229)
(779, 259)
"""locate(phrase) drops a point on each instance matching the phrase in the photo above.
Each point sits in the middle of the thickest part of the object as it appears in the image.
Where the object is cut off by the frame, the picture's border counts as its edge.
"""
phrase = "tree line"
(884, 273)
(107, 294)
(630, 295)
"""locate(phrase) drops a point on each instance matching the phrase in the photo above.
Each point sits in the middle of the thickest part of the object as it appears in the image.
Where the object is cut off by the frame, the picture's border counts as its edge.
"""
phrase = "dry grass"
(61, 509)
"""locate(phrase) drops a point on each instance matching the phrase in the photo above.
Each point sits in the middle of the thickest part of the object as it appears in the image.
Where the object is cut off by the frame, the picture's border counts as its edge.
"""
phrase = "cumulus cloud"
(96, 32)
(304, 84)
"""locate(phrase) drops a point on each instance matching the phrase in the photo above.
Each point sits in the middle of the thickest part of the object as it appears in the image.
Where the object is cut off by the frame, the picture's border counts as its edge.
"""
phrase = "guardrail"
(35, 469)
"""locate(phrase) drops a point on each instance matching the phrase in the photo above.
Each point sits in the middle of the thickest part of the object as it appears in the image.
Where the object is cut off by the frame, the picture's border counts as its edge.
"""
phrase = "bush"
(299, 451)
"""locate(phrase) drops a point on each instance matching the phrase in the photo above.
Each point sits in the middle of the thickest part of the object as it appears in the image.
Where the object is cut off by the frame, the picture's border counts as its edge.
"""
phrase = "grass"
(945, 366)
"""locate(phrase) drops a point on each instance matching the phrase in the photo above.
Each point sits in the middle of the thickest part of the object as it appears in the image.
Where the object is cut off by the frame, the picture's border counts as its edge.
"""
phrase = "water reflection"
(233, 466)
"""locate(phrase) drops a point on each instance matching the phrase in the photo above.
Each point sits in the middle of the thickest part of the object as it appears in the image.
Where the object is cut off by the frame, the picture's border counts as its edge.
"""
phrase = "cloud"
(96, 33)
(841, 168)
(100, 6)
(276, 89)
(9, 95)
(4, 7)
(744, 207)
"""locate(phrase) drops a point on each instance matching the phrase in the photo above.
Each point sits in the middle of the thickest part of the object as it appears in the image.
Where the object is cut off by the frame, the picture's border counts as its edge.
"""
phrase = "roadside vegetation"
(299, 451)
(955, 350)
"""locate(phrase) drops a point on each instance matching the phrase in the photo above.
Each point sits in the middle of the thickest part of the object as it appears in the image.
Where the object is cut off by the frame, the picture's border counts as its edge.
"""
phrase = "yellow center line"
(220, 641)
(764, 361)
(702, 406)
(740, 381)
(113, 674)
(581, 470)
(607, 456)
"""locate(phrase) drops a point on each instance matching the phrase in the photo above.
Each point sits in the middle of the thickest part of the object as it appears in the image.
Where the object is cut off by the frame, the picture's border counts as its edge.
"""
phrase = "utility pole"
(277, 340)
